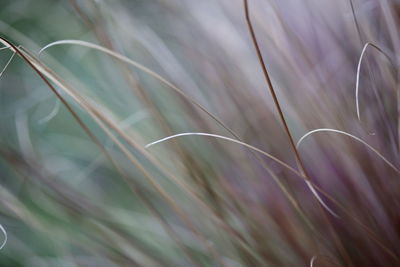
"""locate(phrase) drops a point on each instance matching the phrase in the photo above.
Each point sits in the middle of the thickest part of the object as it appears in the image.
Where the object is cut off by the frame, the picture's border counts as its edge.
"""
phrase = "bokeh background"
(69, 198)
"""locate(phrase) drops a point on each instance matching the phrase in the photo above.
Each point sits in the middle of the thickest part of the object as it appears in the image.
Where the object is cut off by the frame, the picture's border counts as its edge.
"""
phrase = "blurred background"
(79, 186)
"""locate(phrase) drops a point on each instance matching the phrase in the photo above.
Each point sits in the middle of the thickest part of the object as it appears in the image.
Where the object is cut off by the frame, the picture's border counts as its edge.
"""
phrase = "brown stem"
(271, 88)
(282, 117)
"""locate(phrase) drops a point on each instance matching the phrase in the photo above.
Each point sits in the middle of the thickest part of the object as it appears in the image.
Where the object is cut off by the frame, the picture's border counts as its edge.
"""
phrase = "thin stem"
(271, 88)
(282, 117)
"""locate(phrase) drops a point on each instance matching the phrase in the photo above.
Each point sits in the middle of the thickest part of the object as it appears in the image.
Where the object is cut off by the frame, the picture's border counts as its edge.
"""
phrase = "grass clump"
(199, 133)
